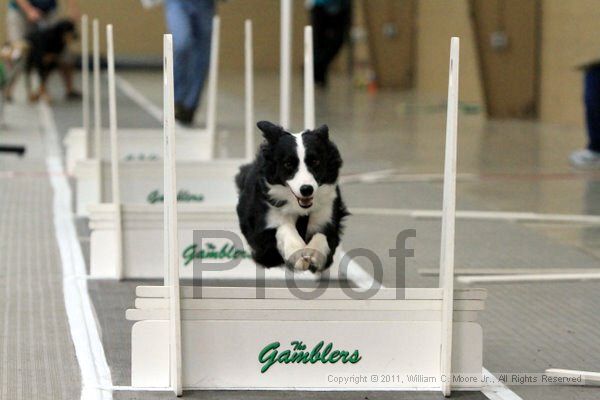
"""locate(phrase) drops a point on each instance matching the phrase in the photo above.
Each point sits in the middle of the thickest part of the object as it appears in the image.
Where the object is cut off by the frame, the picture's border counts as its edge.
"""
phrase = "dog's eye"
(313, 162)
(288, 165)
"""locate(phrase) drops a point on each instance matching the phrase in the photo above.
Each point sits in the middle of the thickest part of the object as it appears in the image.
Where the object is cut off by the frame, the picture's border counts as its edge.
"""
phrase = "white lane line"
(358, 275)
(84, 331)
(130, 91)
(565, 277)
(393, 176)
(508, 271)
(496, 390)
(371, 176)
(482, 215)
(588, 378)
(136, 389)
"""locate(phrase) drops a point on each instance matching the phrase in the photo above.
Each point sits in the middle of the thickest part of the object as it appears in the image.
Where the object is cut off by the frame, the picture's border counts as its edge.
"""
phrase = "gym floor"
(516, 166)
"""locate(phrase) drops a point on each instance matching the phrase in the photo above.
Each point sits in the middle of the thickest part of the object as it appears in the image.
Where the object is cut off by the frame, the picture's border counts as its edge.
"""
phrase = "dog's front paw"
(317, 251)
(293, 254)
(298, 260)
(315, 258)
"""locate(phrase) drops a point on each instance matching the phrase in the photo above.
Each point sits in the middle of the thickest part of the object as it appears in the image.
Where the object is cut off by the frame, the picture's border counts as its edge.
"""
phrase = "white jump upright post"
(213, 77)
(448, 220)
(97, 103)
(97, 91)
(114, 152)
(309, 80)
(170, 218)
(85, 83)
(249, 92)
(285, 88)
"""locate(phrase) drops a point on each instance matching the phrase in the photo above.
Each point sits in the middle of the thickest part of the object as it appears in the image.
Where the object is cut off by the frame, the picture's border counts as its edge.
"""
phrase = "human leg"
(328, 37)
(590, 156)
(592, 108)
(179, 24)
(200, 55)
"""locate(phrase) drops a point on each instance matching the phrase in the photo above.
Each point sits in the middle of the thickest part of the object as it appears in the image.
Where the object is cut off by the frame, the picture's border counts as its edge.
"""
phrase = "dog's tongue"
(305, 202)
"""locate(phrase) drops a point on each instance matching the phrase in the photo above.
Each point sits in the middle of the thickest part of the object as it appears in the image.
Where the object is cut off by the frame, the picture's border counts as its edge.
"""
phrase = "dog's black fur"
(266, 194)
(46, 45)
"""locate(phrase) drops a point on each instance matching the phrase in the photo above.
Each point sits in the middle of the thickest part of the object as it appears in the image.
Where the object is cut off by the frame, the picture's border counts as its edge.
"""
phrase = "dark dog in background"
(290, 207)
(46, 47)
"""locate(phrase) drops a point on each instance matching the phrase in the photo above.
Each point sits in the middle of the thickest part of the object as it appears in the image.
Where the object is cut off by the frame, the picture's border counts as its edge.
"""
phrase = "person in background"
(25, 16)
(590, 156)
(331, 21)
(190, 23)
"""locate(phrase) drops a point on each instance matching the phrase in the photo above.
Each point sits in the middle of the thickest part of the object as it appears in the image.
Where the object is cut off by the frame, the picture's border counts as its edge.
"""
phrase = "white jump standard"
(233, 340)
(137, 144)
(201, 181)
(207, 194)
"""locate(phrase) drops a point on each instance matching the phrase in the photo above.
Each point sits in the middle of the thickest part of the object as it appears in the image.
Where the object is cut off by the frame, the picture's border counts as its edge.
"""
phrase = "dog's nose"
(306, 190)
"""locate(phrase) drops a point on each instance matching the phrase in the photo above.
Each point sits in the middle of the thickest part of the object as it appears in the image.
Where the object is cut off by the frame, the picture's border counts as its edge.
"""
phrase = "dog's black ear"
(270, 131)
(322, 132)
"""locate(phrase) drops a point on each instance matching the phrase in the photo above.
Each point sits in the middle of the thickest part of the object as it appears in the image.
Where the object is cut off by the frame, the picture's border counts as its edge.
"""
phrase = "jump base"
(239, 344)
(141, 182)
(192, 145)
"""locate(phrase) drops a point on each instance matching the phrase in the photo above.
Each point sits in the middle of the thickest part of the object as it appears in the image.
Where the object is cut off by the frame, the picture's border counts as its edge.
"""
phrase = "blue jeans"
(592, 107)
(190, 23)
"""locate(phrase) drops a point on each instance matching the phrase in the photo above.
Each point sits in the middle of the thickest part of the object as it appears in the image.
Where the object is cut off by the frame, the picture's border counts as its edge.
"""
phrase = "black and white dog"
(290, 207)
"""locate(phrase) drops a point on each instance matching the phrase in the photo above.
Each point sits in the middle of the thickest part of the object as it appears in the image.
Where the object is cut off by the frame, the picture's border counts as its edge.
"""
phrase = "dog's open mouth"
(304, 202)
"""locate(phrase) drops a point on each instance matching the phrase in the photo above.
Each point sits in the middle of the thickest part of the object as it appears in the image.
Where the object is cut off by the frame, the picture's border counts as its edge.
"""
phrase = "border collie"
(290, 207)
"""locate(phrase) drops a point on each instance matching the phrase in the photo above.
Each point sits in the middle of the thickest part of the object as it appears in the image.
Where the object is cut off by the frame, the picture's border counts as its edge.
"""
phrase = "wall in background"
(144, 37)
(391, 38)
(265, 20)
(138, 31)
(437, 21)
(3, 6)
(570, 37)
(507, 36)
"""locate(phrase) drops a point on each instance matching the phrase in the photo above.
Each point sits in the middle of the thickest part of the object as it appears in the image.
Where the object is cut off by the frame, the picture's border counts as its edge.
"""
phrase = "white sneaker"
(585, 159)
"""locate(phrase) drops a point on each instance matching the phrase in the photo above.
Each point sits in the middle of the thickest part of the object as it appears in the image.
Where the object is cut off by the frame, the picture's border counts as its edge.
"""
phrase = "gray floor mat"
(37, 358)
(294, 395)
(129, 114)
(529, 327)
(479, 244)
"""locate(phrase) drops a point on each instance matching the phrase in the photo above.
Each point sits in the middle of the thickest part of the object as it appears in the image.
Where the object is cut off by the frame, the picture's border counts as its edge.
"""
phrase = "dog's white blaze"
(302, 176)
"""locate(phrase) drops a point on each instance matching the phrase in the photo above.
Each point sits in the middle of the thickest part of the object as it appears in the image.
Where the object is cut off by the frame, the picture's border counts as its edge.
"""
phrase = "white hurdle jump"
(233, 340)
(129, 234)
(139, 228)
(136, 144)
(201, 181)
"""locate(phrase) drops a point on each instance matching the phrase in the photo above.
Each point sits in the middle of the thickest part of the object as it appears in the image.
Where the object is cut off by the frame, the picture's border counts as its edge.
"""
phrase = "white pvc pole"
(588, 378)
(285, 88)
(97, 91)
(213, 76)
(448, 219)
(309, 80)
(114, 151)
(170, 209)
(85, 84)
(249, 122)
